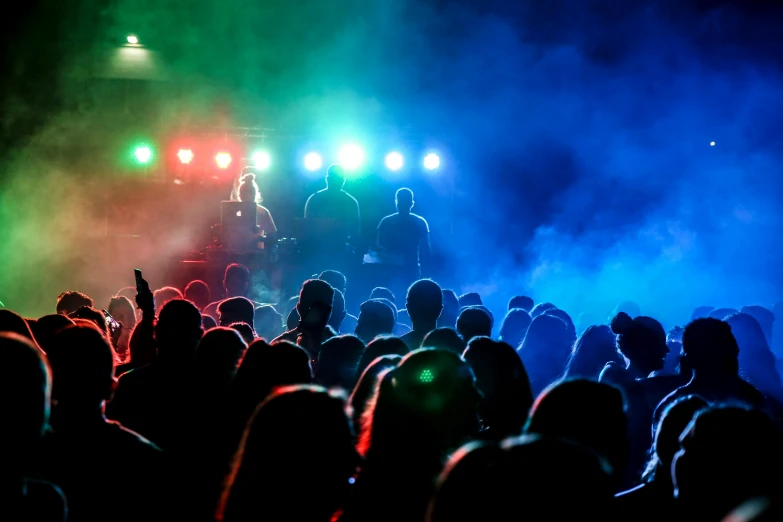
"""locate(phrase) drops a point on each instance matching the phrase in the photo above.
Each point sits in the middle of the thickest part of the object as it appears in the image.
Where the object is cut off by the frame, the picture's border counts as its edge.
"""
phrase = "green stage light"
(143, 154)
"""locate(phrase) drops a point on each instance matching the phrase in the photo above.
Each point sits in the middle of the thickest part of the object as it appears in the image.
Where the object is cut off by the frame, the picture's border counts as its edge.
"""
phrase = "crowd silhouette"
(174, 405)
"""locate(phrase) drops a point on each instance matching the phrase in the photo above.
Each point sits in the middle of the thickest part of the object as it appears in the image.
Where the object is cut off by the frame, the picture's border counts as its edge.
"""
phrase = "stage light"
(223, 160)
(132, 39)
(394, 161)
(712, 144)
(261, 160)
(351, 157)
(431, 161)
(313, 161)
(143, 154)
(185, 156)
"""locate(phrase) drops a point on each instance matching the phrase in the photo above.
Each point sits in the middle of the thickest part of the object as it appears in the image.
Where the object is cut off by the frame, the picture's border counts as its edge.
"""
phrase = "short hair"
(315, 290)
(166, 294)
(334, 278)
(380, 292)
(469, 299)
(710, 342)
(378, 313)
(424, 296)
(474, 322)
(238, 272)
(70, 301)
(118, 302)
(521, 301)
(198, 292)
(404, 194)
(82, 362)
(239, 309)
(335, 174)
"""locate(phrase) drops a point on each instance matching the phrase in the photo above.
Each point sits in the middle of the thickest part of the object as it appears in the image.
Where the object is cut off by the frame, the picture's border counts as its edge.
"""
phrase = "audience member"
(69, 302)
(424, 303)
(544, 351)
(474, 322)
(445, 339)
(197, 292)
(338, 361)
(236, 283)
(367, 383)
(522, 302)
(514, 326)
(268, 322)
(593, 350)
(378, 347)
(375, 318)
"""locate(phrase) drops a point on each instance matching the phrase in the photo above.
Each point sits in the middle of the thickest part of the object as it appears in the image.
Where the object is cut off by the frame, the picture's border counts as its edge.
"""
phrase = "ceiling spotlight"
(313, 161)
(431, 161)
(133, 39)
(223, 160)
(143, 154)
(261, 160)
(351, 157)
(394, 161)
(185, 155)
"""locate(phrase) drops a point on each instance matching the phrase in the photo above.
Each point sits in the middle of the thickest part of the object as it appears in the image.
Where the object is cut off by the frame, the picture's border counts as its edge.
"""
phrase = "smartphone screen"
(139, 279)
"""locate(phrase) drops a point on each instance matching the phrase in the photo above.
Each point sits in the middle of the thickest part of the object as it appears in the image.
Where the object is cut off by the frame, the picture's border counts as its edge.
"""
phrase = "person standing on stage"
(335, 205)
(404, 237)
(248, 191)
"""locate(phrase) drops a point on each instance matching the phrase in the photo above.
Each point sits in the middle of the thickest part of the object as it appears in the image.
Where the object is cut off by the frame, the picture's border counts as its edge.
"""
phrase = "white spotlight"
(712, 144)
(394, 161)
(431, 161)
(262, 160)
(351, 157)
(313, 161)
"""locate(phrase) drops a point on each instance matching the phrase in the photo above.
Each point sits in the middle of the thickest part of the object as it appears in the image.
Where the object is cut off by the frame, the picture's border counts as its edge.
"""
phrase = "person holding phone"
(315, 309)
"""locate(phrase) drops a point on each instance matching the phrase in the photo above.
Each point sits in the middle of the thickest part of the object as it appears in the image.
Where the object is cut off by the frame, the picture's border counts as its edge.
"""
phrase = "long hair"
(248, 189)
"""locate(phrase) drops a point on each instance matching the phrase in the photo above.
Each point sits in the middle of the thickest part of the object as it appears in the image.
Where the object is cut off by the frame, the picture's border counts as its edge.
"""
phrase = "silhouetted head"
(404, 200)
(236, 310)
(728, 455)
(563, 315)
(380, 292)
(629, 308)
(520, 475)
(166, 294)
(277, 450)
(15, 323)
(292, 320)
(314, 291)
(267, 322)
(94, 316)
(474, 322)
(592, 350)
(208, 322)
(336, 279)
(674, 419)
(219, 353)
(244, 330)
(503, 382)
(338, 311)
(128, 291)
(69, 302)
(587, 412)
(756, 360)
(178, 331)
(540, 308)
(379, 347)
(47, 326)
(375, 318)
(121, 308)
(197, 292)
(545, 351)
(521, 301)
(338, 361)
(248, 189)
(82, 363)
(448, 317)
(335, 177)
(424, 303)
(701, 312)
(514, 326)
(763, 316)
(25, 400)
(367, 383)
(641, 340)
(236, 280)
(722, 313)
(709, 347)
(469, 299)
(269, 366)
(444, 339)
(425, 407)
(389, 304)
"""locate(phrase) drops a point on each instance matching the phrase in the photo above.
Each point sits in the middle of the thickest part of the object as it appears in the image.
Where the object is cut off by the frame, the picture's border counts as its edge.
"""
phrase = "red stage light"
(223, 160)
(185, 155)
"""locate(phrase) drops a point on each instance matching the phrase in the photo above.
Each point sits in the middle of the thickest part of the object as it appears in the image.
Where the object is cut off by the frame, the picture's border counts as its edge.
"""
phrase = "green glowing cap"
(426, 376)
